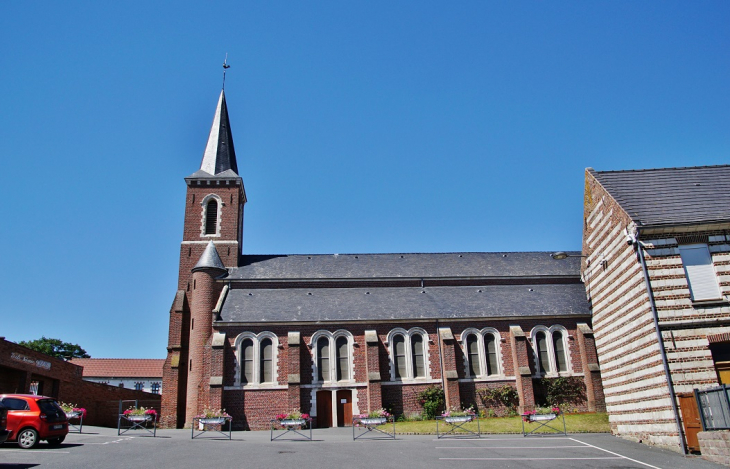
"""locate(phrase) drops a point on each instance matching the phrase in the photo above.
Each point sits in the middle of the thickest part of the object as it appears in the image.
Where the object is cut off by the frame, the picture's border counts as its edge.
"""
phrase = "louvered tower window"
(211, 218)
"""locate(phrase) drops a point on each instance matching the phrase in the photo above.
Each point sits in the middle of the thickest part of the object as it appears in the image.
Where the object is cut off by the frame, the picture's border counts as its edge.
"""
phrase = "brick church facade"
(337, 335)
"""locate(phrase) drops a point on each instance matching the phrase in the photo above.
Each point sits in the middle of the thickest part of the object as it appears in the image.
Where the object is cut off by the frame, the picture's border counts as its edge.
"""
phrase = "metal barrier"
(714, 406)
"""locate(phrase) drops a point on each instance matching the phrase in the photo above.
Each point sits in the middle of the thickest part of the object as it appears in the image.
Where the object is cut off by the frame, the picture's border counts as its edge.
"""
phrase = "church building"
(341, 334)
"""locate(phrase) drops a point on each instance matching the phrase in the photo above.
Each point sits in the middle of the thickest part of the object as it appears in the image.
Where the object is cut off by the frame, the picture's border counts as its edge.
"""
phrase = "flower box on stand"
(291, 423)
(137, 418)
(73, 413)
(543, 417)
(456, 420)
(370, 426)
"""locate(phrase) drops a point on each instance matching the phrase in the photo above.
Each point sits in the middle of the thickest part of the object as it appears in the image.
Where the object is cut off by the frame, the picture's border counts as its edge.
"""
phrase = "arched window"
(323, 358)
(408, 353)
(472, 347)
(211, 217)
(247, 361)
(551, 350)
(542, 351)
(343, 359)
(490, 346)
(266, 357)
(332, 356)
(256, 356)
(559, 349)
(481, 352)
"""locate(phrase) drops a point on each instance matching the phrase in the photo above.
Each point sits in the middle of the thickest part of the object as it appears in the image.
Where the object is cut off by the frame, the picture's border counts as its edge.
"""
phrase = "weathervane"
(225, 67)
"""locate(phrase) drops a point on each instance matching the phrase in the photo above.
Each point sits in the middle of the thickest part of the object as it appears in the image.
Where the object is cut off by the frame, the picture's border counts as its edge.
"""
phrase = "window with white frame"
(210, 225)
(551, 350)
(256, 359)
(408, 354)
(701, 276)
(482, 354)
(332, 358)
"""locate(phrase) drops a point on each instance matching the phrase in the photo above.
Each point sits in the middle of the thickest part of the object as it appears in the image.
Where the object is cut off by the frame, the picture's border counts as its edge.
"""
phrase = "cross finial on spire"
(225, 67)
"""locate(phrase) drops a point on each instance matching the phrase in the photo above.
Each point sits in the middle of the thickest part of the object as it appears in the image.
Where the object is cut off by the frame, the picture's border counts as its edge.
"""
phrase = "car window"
(15, 404)
(49, 406)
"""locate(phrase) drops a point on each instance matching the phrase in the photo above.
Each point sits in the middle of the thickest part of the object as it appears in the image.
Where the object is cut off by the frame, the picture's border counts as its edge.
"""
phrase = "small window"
(490, 344)
(323, 358)
(247, 359)
(700, 273)
(138, 386)
(211, 217)
(155, 388)
(472, 346)
(343, 359)
(267, 371)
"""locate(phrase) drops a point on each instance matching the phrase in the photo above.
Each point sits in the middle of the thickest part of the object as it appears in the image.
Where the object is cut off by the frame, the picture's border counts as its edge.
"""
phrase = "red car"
(34, 418)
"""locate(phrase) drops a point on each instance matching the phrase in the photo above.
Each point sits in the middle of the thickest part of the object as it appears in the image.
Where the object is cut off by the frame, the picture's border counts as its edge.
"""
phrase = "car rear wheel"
(27, 438)
(56, 441)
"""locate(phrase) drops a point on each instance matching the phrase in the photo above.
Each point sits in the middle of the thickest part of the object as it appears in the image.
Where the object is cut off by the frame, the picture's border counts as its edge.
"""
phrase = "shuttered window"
(247, 358)
(211, 217)
(472, 347)
(700, 273)
(343, 360)
(542, 352)
(267, 362)
(323, 359)
(419, 365)
(559, 347)
(399, 347)
(490, 345)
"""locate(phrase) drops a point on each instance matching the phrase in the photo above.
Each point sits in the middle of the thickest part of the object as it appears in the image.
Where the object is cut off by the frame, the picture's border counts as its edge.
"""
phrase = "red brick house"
(336, 335)
(657, 272)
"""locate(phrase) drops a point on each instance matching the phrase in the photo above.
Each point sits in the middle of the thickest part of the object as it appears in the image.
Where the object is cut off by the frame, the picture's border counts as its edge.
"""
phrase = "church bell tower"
(212, 242)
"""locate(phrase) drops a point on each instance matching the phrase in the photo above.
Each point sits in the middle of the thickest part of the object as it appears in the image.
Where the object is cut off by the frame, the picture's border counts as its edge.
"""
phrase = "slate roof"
(378, 304)
(120, 367)
(219, 155)
(671, 196)
(419, 265)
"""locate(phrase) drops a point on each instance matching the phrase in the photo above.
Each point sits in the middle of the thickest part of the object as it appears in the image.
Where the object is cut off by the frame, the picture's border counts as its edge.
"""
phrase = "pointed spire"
(219, 153)
(210, 259)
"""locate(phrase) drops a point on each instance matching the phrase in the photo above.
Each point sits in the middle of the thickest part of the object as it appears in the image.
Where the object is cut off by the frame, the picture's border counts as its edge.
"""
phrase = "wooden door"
(344, 408)
(690, 419)
(324, 409)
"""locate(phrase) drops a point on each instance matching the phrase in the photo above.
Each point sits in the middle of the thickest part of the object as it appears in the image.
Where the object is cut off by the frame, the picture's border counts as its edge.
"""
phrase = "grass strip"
(574, 423)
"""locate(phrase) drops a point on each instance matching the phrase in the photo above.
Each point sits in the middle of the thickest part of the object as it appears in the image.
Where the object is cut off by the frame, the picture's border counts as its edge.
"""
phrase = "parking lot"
(102, 447)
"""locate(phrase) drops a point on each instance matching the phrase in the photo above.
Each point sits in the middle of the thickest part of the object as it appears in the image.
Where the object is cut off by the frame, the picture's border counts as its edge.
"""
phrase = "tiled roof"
(671, 196)
(120, 367)
(395, 303)
(419, 265)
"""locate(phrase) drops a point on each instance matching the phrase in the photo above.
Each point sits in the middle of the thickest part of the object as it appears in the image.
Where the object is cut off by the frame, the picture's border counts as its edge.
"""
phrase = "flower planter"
(73, 415)
(292, 422)
(213, 421)
(139, 418)
(459, 419)
(541, 417)
(373, 420)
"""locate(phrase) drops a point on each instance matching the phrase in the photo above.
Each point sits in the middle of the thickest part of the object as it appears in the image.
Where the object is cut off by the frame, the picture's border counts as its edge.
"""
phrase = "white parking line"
(611, 452)
(38, 451)
(529, 459)
(497, 439)
(509, 447)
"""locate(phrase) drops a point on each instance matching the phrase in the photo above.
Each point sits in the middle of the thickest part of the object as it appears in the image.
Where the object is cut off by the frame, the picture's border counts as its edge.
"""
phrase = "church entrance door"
(344, 408)
(324, 409)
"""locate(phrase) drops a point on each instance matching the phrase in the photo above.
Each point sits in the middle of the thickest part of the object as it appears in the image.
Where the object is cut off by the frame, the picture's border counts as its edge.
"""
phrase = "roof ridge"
(657, 169)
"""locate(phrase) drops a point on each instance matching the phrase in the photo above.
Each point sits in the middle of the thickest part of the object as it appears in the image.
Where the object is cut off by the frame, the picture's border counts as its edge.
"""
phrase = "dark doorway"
(324, 409)
(344, 408)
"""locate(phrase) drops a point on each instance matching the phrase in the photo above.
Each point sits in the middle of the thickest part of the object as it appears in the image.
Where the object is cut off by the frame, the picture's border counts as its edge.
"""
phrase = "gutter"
(634, 239)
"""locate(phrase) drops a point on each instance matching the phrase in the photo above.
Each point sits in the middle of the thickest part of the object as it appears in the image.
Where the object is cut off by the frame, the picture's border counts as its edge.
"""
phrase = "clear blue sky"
(373, 126)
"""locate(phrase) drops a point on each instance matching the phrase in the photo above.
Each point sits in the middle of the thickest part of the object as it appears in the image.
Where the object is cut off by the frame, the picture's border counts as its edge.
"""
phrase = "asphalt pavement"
(99, 447)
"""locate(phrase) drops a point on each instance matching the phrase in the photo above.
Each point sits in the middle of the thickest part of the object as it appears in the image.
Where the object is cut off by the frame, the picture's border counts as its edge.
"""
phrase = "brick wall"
(636, 392)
